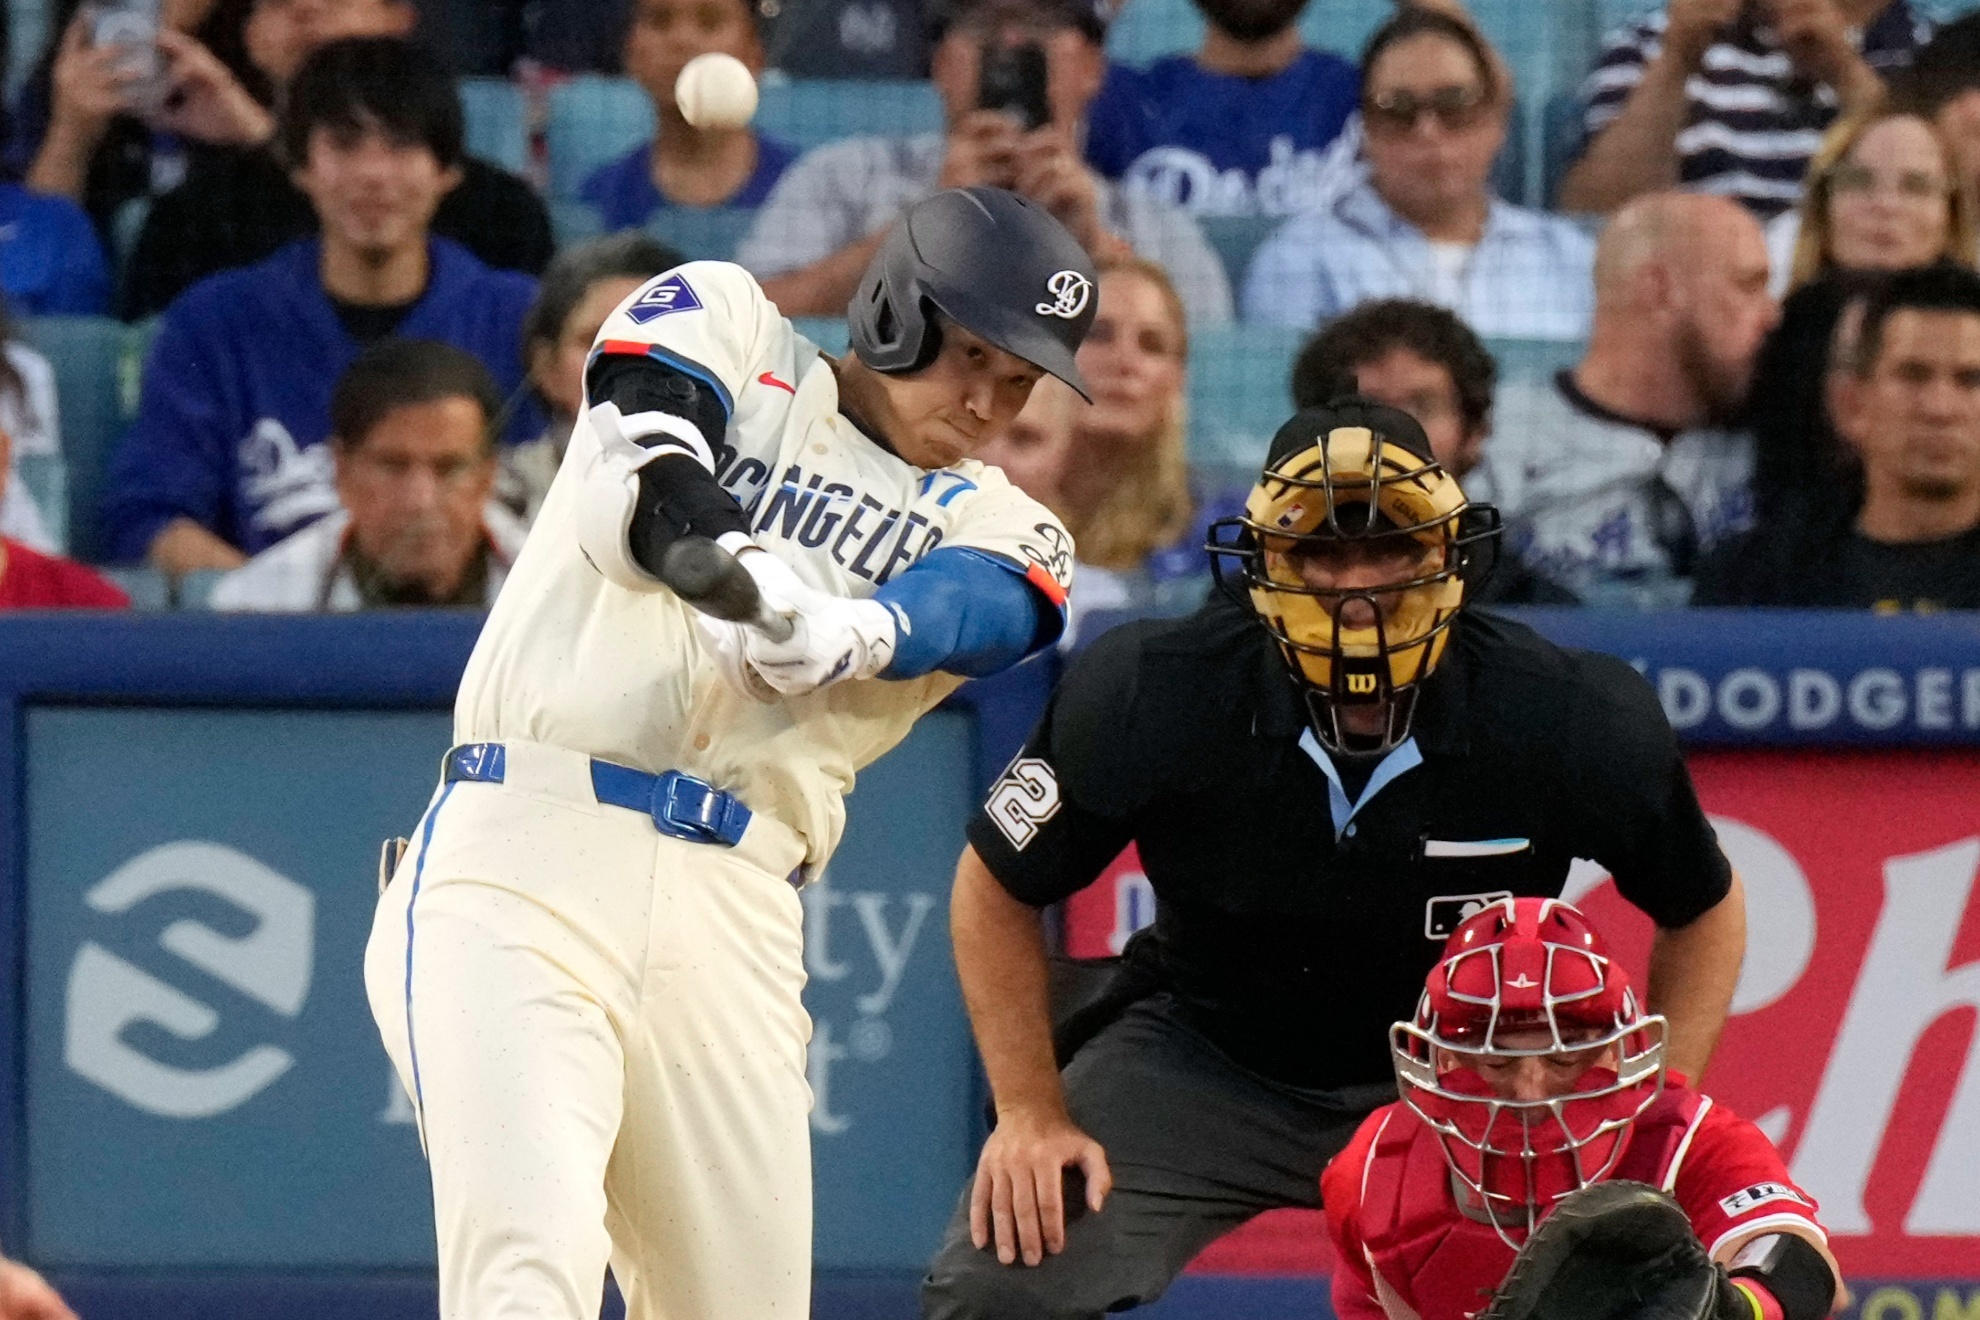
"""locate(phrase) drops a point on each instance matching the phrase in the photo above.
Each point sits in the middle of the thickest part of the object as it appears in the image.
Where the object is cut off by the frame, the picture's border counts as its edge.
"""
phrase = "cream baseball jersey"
(573, 659)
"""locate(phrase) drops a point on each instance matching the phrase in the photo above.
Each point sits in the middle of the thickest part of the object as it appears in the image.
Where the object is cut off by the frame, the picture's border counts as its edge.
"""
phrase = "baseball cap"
(1089, 16)
(1304, 428)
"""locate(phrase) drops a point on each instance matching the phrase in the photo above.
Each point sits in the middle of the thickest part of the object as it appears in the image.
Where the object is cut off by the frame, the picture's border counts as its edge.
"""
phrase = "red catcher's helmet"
(1535, 970)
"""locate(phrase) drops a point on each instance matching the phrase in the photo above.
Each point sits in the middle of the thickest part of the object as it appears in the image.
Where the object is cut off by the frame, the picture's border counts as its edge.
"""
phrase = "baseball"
(715, 91)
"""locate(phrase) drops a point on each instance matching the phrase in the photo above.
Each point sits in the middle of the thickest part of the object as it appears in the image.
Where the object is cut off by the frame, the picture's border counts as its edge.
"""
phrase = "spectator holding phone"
(1731, 96)
(1016, 78)
(685, 165)
(227, 454)
(238, 203)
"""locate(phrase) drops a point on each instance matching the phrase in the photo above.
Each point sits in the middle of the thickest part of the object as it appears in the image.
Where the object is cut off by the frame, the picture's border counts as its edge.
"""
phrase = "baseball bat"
(709, 578)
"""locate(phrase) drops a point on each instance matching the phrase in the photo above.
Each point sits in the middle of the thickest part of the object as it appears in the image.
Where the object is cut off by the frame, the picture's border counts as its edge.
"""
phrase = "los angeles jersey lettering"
(844, 513)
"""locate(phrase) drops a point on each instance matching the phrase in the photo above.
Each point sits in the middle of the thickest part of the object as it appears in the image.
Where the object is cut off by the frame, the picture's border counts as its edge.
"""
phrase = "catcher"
(1543, 1164)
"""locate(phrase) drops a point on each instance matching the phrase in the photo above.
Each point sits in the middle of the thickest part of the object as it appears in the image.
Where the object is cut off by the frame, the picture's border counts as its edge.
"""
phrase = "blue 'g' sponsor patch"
(669, 295)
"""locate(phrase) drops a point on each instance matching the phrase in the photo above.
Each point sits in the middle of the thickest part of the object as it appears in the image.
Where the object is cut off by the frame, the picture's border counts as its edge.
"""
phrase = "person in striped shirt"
(1731, 96)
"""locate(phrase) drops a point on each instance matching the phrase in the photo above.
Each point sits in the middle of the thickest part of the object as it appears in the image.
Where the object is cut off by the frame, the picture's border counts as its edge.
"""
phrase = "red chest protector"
(1442, 1262)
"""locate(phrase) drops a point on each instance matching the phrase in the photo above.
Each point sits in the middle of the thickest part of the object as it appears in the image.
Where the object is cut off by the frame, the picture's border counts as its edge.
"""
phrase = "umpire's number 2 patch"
(1026, 797)
(1759, 1194)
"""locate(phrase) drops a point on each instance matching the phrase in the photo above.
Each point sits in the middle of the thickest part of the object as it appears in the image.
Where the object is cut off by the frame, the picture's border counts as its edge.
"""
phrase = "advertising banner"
(1851, 1041)
(205, 1087)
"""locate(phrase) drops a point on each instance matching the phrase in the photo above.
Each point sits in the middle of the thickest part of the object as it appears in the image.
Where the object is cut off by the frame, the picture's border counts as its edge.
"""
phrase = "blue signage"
(204, 1083)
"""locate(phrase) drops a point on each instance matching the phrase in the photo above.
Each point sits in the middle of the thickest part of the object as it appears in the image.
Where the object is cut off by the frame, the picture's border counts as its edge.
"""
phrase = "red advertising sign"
(1852, 1039)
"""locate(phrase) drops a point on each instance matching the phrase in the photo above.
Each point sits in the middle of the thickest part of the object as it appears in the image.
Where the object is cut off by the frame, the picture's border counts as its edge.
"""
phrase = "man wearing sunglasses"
(1424, 224)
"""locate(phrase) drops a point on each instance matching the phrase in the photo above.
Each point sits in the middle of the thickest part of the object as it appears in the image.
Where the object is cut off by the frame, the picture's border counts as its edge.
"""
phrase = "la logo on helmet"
(1069, 290)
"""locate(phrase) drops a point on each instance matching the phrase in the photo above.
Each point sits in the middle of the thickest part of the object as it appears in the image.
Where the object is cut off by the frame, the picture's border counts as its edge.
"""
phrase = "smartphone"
(1013, 80)
(131, 26)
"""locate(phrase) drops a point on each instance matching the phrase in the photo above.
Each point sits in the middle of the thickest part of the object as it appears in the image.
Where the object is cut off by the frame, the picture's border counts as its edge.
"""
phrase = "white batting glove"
(724, 642)
(835, 639)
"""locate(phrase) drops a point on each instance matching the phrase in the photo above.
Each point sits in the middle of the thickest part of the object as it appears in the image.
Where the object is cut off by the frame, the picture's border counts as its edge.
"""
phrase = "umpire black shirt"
(1293, 947)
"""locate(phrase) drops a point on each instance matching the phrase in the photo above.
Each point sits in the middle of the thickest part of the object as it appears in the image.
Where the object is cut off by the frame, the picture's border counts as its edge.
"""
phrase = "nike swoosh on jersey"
(768, 378)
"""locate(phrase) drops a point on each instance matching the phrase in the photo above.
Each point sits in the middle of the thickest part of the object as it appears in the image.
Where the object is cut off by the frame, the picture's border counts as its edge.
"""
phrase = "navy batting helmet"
(991, 261)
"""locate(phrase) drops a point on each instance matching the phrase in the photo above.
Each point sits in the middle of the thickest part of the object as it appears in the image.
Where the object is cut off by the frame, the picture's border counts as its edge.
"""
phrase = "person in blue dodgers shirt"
(684, 165)
(227, 454)
(1241, 126)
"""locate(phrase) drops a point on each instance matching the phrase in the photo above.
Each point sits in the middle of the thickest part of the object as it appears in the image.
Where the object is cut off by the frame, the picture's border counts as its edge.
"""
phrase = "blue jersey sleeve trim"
(968, 612)
(686, 366)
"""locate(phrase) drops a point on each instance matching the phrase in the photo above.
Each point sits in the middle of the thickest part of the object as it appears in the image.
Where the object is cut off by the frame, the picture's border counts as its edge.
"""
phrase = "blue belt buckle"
(478, 763)
(691, 808)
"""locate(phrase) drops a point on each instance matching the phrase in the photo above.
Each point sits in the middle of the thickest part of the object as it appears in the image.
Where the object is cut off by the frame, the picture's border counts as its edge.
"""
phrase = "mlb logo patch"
(1446, 912)
(669, 295)
(1759, 1194)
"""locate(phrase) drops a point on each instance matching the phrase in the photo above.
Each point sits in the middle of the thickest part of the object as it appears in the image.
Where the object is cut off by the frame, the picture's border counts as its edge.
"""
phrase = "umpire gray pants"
(1197, 1145)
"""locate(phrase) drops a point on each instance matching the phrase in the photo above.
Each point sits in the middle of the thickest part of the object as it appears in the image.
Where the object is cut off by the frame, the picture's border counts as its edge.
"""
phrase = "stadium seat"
(1234, 238)
(573, 222)
(828, 332)
(497, 122)
(196, 588)
(1239, 391)
(148, 588)
(592, 120)
(806, 113)
(45, 478)
(1532, 359)
(702, 234)
(91, 356)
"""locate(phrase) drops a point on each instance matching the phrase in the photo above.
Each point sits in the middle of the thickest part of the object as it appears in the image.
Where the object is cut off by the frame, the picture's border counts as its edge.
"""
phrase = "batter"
(587, 967)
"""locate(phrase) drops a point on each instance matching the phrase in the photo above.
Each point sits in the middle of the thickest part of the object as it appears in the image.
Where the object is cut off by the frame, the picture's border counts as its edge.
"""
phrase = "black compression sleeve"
(679, 497)
(1790, 1267)
(642, 385)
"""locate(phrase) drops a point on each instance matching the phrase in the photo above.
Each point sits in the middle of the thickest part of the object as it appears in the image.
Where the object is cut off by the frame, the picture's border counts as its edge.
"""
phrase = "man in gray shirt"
(825, 218)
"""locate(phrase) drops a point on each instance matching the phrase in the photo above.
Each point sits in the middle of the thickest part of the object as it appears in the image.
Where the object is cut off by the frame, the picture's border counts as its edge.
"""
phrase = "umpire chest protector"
(1438, 1259)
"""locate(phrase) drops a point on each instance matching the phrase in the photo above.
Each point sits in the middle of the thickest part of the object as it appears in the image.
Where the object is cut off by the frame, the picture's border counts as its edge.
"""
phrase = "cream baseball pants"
(601, 1032)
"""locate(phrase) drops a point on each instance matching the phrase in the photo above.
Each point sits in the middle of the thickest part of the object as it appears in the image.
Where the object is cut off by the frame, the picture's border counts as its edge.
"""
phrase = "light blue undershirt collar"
(1400, 761)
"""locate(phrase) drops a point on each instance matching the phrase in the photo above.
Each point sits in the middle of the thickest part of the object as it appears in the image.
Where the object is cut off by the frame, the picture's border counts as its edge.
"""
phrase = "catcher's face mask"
(1315, 523)
(1527, 977)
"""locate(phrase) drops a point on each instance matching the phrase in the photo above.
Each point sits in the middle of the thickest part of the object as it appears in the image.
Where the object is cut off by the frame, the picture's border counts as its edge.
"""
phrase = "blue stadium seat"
(148, 588)
(593, 120)
(809, 112)
(1234, 238)
(497, 122)
(1239, 391)
(1533, 359)
(709, 234)
(828, 332)
(573, 222)
(92, 357)
(196, 588)
(45, 478)
(1560, 137)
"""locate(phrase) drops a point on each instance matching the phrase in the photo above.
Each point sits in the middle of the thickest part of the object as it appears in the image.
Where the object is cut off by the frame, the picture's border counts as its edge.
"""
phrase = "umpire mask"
(1355, 550)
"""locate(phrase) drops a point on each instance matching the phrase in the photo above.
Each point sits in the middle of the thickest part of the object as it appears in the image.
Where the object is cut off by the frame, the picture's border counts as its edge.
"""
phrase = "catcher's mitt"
(1618, 1250)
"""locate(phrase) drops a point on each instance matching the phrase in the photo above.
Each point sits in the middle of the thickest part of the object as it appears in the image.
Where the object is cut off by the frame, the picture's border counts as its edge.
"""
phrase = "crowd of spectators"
(368, 347)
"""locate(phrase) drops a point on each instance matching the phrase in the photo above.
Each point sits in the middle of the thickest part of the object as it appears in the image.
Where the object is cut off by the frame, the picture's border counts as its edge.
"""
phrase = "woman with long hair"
(1884, 193)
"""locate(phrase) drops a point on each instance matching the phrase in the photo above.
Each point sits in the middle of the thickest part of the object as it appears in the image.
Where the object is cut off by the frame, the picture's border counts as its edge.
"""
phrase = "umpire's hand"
(1020, 1180)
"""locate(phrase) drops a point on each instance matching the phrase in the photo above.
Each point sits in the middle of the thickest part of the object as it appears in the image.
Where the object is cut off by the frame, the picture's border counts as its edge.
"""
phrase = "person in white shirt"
(414, 451)
(29, 414)
(1424, 224)
(588, 971)
(1614, 477)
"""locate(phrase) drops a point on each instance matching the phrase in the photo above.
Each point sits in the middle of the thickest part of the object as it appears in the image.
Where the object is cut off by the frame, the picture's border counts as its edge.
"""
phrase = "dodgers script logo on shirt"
(669, 295)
